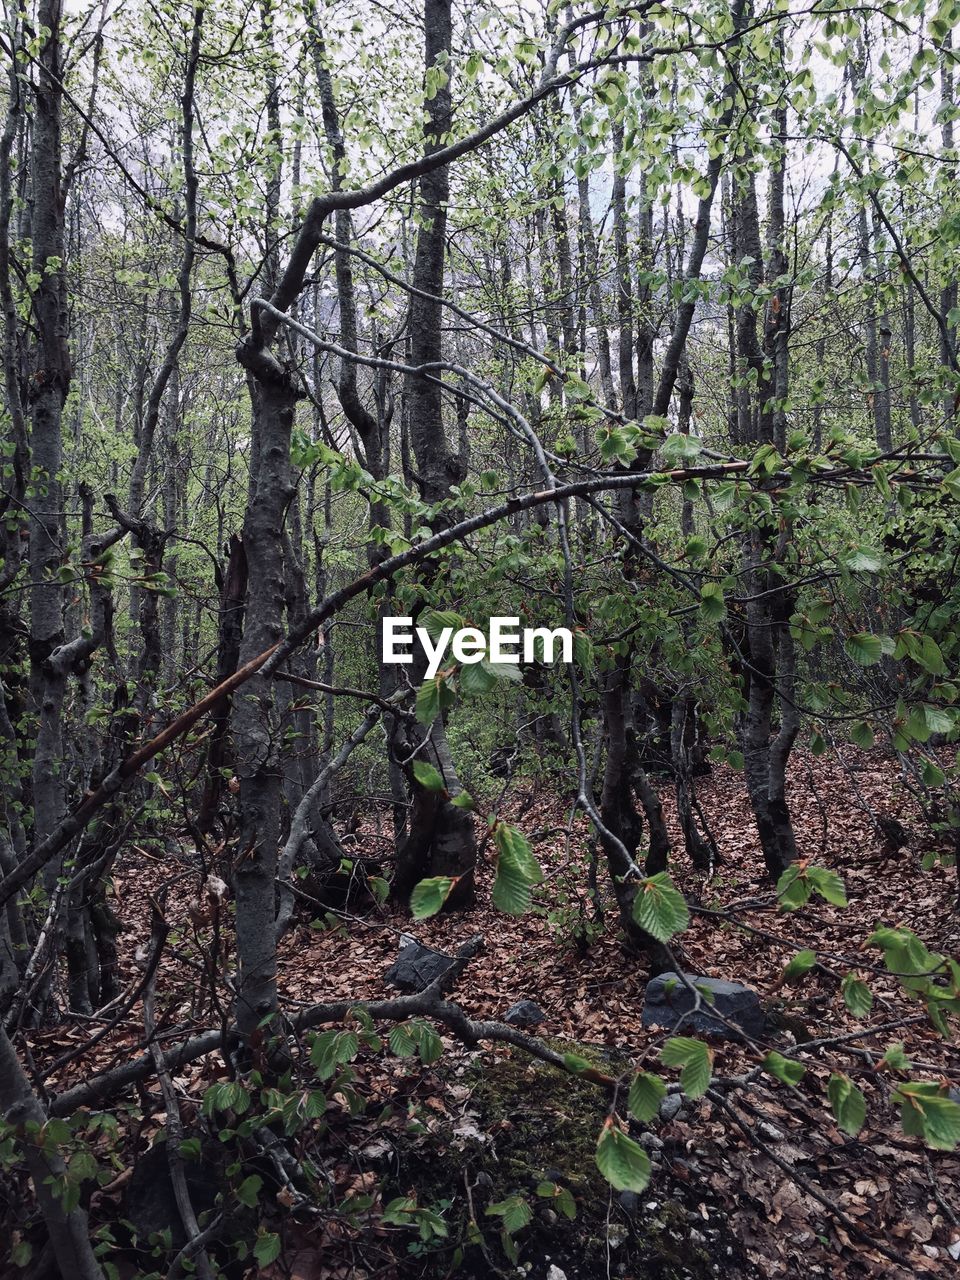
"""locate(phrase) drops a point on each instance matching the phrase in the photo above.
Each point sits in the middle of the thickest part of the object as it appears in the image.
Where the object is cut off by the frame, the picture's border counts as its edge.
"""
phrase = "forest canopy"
(330, 324)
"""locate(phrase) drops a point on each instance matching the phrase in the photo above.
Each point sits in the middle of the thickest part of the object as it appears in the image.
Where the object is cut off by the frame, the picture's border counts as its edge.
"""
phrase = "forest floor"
(724, 1199)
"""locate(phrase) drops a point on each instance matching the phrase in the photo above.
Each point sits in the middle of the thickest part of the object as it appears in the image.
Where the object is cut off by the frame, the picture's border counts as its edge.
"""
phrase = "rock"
(670, 1106)
(617, 1235)
(667, 999)
(524, 1014)
(416, 967)
(554, 1273)
(629, 1202)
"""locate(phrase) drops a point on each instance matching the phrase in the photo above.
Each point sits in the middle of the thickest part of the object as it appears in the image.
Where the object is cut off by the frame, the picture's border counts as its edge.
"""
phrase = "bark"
(440, 839)
(438, 466)
(68, 1231)
(948, 295)
(233, 594)
(621, 820)
(257, 742)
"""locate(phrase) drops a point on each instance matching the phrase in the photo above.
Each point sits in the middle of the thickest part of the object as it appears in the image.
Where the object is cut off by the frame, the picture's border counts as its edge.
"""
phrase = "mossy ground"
(539, 1126)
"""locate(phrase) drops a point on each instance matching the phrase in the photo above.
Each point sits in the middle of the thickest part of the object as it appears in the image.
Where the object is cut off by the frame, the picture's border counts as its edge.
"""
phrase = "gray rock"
(629, 1202)
(524, 1014)
(416, 967)
(667, 999)
(670, 1106)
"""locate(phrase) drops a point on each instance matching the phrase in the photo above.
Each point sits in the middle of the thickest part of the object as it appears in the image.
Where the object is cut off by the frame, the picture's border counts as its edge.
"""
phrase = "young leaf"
(801, 963)
(847, 1103)
(511, 889)
(864, 648)
(926, 1113)
(514, 846)
(267, 1249)
(793, 888)
(475, 679)
(857, 996)
(782, 1068)
(711, 601)
(659, 908)
(623, 1162)
(829, 885)
(646, 1093)
(695, 1060)
(515, 1212)
(430, 895)
(401, 1041)
(428, 777)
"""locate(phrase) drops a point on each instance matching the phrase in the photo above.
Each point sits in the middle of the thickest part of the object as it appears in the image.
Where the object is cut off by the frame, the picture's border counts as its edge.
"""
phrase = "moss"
(542, 1126)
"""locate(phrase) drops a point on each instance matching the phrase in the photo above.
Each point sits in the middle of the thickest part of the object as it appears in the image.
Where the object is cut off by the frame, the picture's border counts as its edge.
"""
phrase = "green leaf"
(401, 1041)
(712, 605)
(861, 735)
(679, 450)
(930, 657)
(801, 963)
(21, 1253)
(927, 1113)
(793, 888)
(517, 870)
(428, 702)
(862, 560)
(428, 777)
(646, 1093)
(939, 720)
(895, 1058)
(248, 1191)
(577, 1065)
(582, 650)
(660, 908)
(828, 884)
(561, 1197)
(332, 1049)
(435, 622)
(783, 1069)
(515, 1212)
(847, 1103)
(267, 1249)
(933, 775)
(864, 648)
(429, 896)
(476, 679)
(433, 697)
(857, 996)
(429, 1045)
(462, 800)
(503, 670)
(695, 1060)
(511, 889)
(623, 1162)
(379, 887)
